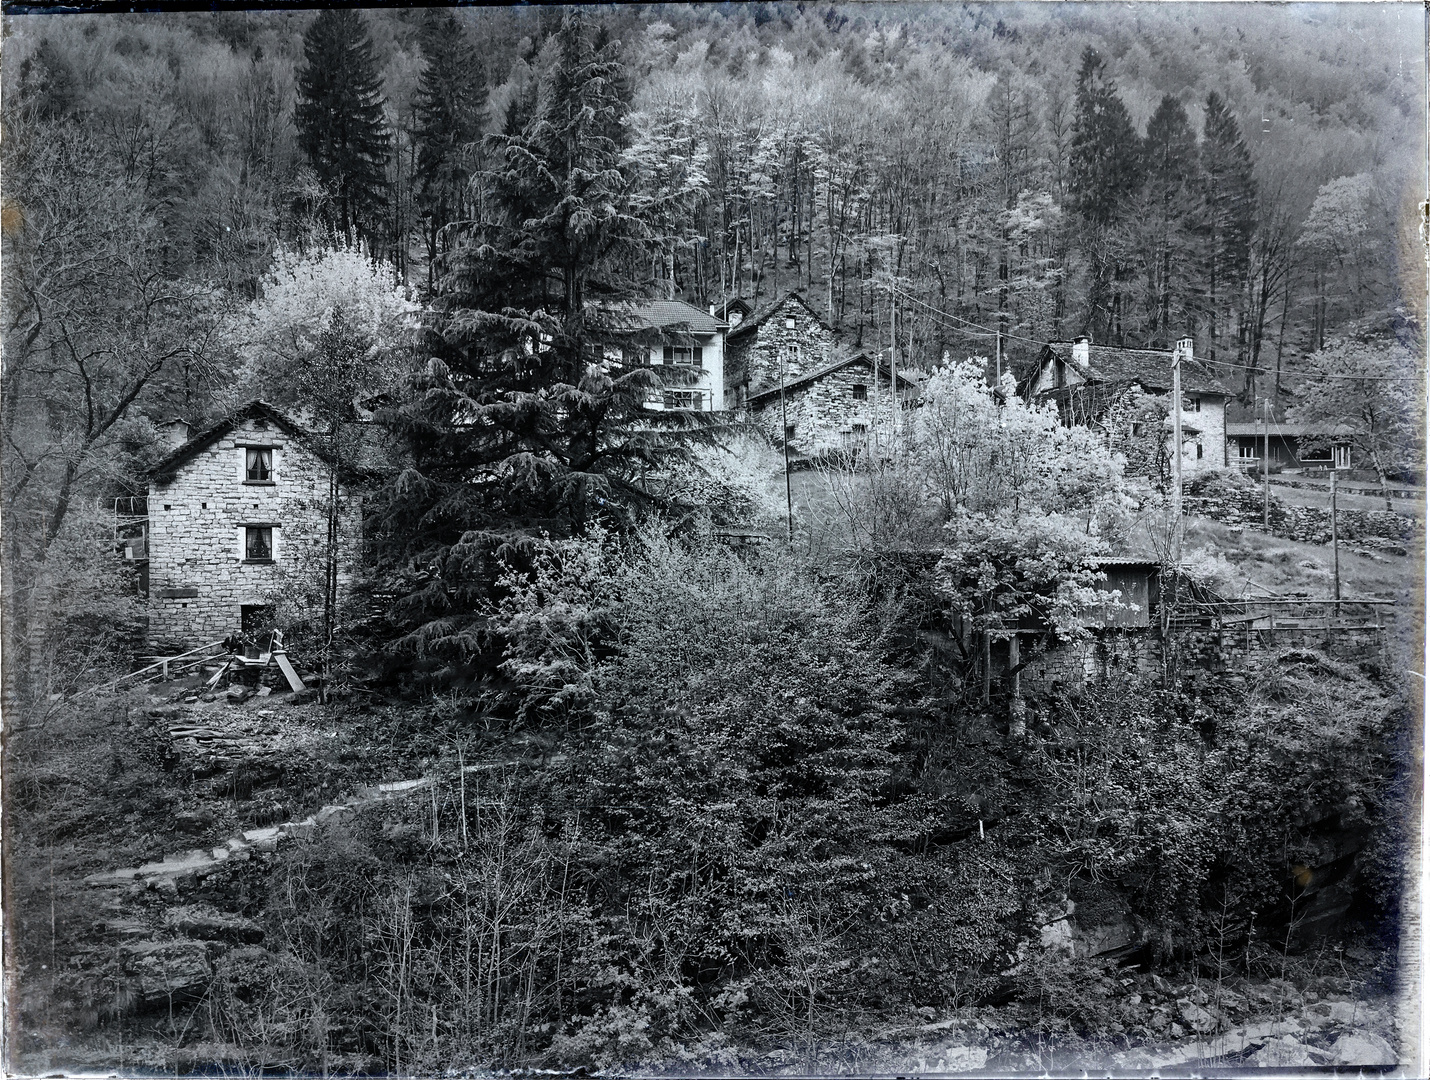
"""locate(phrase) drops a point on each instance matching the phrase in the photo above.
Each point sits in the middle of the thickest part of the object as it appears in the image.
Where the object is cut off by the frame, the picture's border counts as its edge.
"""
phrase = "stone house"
(844, 405)
(786, 337)
(1117, 391)
(237, 515)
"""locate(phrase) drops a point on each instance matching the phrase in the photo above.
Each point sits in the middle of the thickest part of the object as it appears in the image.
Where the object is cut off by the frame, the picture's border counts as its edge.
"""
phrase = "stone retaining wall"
(1233, 504)
(1124, 654)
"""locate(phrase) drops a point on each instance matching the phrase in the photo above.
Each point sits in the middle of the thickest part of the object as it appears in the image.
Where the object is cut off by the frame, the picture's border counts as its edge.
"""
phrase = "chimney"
(176, 431)
(712, 309)
(1184, 349)
(1080, 351)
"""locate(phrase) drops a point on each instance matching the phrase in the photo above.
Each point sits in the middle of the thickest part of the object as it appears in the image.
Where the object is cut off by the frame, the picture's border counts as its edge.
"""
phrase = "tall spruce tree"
(1104, 175)
(1166, 219)
(521, 422)
(339, 117)
(451, 109)
(1105, 149)
(1229, 212)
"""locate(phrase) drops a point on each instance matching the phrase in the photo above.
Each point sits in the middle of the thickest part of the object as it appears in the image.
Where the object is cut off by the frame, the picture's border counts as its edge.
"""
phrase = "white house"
(1104, 388)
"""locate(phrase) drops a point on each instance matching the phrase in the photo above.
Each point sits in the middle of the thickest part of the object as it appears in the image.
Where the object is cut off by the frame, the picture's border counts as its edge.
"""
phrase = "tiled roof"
(813, 376)
(757, 318)
(660, 314)
(1149, 368)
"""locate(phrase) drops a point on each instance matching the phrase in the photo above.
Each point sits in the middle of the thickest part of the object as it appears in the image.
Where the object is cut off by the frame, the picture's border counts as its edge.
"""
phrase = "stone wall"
(198, 578)
(1233, 501)
(752, 358)
(1053, 667)
(825, 414)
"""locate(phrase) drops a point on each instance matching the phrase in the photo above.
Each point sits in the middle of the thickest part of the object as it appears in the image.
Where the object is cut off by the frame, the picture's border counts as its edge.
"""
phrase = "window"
(789, 322)
(676, 354)
(861, 392)
(681, 399)
(861, 429)
(258, 465)
(1191, 404)
(258, 543)
(1136, 430)
(1247, 450)
(1199, 450)
(789, 432)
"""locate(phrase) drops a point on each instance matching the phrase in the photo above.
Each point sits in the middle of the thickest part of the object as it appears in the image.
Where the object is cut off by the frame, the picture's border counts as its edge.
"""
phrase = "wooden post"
(987, 666)
(1335, 546)
(1266, 465)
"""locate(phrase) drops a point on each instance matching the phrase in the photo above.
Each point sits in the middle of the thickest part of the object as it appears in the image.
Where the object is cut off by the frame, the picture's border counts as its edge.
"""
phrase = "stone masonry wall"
(1237, 503)
(752, 360)
(825, 412)
(1118, 655)
(198, 579)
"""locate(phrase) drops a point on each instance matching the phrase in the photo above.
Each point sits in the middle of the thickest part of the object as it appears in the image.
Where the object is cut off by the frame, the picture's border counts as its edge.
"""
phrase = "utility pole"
(1184, 347)
(1335, 545)
(998, 353)
(1266, 464)
(893, 368)
(784, 438)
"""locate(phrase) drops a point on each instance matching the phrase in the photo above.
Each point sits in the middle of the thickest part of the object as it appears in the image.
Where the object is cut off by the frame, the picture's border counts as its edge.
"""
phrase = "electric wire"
(1008, 336)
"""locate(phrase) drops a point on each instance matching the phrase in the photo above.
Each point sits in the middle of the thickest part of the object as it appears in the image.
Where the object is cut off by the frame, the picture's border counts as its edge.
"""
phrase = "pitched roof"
(1149, 368)
(1288, 427)
(168, 468)
(660, 314)
(829, 369)
(751, 322)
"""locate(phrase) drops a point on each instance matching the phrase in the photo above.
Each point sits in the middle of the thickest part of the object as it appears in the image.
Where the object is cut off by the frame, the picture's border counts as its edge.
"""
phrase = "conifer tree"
(521, 423)
(1166, 217)
(451, 109)
(1104, 174)
(339, 117)
(1105, 150)
(1229, 209)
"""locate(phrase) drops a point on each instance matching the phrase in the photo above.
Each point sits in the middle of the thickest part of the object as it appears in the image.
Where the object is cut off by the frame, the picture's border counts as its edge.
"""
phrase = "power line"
(1199, 359)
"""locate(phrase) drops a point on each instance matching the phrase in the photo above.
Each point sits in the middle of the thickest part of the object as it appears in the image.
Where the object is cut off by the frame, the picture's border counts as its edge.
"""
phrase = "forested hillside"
(614, 761)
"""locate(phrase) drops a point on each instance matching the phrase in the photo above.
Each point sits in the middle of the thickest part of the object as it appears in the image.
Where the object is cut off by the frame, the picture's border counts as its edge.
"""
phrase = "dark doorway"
(256, 624)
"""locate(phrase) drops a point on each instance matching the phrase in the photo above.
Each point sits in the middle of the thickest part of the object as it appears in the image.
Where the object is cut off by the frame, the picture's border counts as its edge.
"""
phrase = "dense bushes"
(731, 816)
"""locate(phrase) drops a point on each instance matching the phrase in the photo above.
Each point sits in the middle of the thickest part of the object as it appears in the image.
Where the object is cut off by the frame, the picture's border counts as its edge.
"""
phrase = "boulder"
(1363, 1048)
(1200, 1020)
(208, 924)
(1058, 937)
(1285, 1052)
(163, 970)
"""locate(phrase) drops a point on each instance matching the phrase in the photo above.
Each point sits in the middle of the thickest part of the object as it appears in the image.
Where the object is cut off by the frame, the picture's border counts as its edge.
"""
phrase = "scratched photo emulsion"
(782, 539)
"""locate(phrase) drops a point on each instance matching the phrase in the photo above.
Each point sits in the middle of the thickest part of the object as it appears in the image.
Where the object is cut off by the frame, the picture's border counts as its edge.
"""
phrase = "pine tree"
(1229, 210)
(339, 117)
(1105, 150)
(451, 110)
(519, 425)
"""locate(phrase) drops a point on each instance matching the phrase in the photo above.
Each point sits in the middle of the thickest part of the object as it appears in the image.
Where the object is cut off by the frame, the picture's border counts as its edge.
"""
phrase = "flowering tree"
(1025, 502)
(1371, 389)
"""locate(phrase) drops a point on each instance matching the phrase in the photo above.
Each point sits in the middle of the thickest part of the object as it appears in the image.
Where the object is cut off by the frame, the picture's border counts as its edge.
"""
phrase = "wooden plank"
(281, 659)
